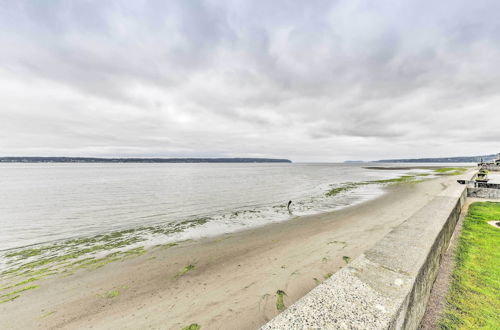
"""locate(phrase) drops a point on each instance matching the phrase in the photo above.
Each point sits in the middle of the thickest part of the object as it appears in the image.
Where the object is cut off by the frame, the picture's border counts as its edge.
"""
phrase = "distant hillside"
(137, 160)
(464, 159)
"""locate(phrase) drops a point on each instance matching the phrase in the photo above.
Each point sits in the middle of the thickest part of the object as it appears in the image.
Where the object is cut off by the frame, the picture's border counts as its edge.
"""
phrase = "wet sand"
(235, 277)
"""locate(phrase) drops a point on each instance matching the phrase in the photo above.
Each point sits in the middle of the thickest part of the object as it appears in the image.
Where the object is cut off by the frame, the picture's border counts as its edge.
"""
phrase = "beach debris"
(495, 223)
(337, 242)
(280, 305)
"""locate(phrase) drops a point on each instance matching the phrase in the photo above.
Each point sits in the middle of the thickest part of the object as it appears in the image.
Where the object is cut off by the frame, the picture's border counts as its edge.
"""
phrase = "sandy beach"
(226, 282)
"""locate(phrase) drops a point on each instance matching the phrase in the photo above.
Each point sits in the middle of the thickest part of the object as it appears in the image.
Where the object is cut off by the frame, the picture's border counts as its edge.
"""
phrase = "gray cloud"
(307, 80)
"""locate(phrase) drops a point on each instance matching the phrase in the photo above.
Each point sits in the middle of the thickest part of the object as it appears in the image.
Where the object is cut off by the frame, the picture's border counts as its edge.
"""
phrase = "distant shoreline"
(460, 159)
(138, 160)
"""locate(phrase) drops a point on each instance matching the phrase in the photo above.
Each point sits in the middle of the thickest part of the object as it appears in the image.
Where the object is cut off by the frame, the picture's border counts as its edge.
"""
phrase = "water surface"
(47, 202)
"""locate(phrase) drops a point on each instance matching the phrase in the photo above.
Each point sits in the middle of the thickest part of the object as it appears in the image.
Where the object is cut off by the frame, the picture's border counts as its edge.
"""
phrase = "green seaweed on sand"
(327, 275)
(9, 299)
(93, 264)
(110, 294)
(337, 242)
(343, 188)
(193, 326)
(19, 291)
(185, 270)
(353, 185)
(46, 314)
(280, 304)
(451, 170)
(316, 280)
(399, 180)
(70, 255)
(31, 279)
(346, 259)
(28, 253)
(166, 246)
(138, 251)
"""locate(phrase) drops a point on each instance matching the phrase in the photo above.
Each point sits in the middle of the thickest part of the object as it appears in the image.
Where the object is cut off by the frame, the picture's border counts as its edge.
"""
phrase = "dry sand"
(235, 279)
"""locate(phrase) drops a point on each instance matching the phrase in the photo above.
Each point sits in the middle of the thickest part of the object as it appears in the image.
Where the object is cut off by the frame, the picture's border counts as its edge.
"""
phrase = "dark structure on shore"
(480, 186)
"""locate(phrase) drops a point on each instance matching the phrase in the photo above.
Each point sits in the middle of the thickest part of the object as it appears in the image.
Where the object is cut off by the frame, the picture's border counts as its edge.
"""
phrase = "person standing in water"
(288, 207)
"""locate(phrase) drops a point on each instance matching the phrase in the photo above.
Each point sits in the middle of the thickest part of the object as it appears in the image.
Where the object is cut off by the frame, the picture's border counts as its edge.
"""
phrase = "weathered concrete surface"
(483, 193)
(388, 286)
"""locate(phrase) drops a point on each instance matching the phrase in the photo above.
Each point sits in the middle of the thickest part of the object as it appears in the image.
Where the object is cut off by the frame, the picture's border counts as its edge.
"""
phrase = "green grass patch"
(193, 326)
(473, 301)
(451, 170)
(280, 296)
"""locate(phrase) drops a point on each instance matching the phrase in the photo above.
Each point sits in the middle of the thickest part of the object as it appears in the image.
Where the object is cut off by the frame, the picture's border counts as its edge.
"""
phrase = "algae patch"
(344, 188)
(280, 304)
(9, 299)
(110, 294)
(184, 270)
(451, 170)
(193, 326)
(348, 186)
(19, 291)
(46, 314)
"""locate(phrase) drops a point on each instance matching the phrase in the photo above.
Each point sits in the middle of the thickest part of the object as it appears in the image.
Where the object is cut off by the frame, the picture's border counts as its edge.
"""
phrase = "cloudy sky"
(305, 80)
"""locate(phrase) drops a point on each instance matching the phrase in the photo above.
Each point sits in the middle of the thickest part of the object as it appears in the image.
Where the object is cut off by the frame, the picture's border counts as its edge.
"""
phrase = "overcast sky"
(304, 80)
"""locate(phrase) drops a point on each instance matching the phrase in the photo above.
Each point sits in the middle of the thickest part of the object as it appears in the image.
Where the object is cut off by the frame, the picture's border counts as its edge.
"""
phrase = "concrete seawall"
(388, 286)
(483, 192)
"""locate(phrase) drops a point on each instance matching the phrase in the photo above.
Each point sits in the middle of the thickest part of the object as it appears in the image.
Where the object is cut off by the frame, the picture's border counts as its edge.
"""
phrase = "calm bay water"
(47, 202)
